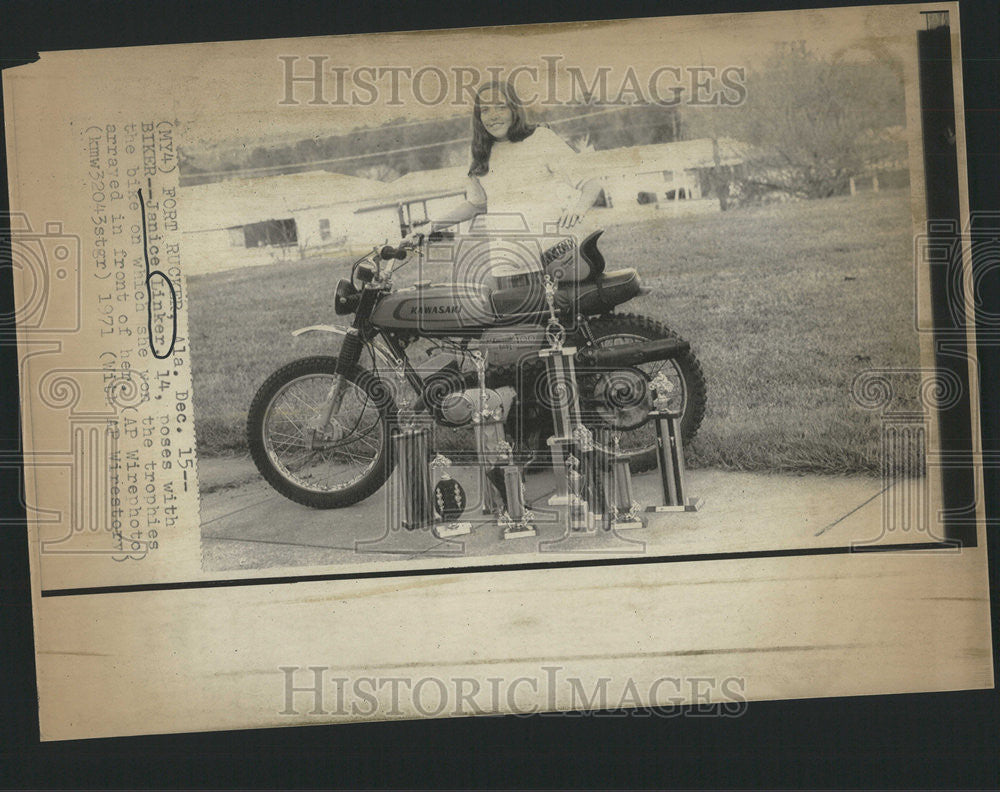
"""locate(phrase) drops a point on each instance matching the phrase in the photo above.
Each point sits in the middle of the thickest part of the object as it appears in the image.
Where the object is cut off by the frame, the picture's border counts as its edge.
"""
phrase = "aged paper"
(205, 555)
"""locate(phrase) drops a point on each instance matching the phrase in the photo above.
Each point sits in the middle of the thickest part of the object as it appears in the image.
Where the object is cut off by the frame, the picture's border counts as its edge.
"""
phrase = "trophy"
(449, 501)
(579, 515)
(502, 482)
(604, 464)
(411, 486)
(487, 423)
(625, 510)
(670, 452)
(513, 516)
(590, 461)
(565, 403)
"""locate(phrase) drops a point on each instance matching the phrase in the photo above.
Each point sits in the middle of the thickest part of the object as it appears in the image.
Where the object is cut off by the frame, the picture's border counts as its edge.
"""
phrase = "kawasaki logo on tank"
(435, 309)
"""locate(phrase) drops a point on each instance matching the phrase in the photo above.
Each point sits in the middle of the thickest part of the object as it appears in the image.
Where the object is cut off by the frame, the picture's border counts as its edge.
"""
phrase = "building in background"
(665, 174)
(685, 176)
(246, 222)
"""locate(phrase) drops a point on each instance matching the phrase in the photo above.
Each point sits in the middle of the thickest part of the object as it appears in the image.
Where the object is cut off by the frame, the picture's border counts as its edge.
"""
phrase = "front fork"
(323, 431)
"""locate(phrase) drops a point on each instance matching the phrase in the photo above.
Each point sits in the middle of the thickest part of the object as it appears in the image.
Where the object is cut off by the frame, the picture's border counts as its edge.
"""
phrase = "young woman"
(524, 179)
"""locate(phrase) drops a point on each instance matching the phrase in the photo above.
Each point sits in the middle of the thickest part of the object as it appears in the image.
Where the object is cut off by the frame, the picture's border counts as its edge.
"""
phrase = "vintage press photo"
(556, 367)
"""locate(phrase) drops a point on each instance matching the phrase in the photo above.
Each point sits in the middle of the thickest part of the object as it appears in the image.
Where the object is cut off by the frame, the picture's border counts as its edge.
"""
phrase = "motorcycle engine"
(459, 409)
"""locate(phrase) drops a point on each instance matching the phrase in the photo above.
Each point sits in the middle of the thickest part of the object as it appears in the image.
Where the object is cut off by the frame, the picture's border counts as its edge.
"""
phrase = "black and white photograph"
(548, 294)
(603, 367)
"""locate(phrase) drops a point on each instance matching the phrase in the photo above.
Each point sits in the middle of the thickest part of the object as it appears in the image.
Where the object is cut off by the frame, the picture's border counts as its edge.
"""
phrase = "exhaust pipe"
(633, 354)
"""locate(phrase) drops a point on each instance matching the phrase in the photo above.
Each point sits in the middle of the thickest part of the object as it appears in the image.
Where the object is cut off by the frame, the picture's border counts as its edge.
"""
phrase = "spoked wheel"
(336, 468)
(683, 372)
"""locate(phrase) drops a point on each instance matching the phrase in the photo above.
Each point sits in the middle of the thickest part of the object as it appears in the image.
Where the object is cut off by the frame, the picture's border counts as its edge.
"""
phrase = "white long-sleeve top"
(529, 185)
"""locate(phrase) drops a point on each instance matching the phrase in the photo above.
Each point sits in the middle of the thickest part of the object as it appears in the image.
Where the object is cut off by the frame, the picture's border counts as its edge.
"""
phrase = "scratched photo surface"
(753, 187)
(540, 313)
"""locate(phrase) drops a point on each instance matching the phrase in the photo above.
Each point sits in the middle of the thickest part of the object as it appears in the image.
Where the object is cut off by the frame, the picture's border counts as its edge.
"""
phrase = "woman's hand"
(416, 236)
(588, 195)
(573, 215)
(423, 228)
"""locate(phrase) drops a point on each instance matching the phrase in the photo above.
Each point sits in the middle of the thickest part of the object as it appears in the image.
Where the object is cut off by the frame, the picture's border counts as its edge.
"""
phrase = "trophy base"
(626, 525)
(448, 530)
(693, 505)
(518, 531)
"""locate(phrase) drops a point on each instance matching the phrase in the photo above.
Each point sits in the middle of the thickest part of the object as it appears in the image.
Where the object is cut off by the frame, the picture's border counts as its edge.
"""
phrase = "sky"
(234, 91)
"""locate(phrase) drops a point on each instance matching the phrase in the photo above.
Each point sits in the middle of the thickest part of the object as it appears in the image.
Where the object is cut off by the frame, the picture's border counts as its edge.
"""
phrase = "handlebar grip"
(389, 252)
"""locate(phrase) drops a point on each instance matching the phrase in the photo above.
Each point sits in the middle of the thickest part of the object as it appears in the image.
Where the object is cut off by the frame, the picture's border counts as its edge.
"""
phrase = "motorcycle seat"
(595, 295)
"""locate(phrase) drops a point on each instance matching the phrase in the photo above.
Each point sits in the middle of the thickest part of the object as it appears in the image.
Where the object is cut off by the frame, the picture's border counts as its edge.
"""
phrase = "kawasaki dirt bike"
(319, 427)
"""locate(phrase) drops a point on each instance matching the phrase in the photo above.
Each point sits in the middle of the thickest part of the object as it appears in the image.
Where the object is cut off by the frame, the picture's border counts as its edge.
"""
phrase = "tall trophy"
(563, 395)
(502, 481)
(611, 482)
(625, 510)
(513, 516)
(412, 501)
(670, 451)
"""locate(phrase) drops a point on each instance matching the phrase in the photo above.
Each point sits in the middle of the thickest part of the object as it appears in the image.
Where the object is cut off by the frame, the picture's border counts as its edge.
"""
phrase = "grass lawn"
(784, 305)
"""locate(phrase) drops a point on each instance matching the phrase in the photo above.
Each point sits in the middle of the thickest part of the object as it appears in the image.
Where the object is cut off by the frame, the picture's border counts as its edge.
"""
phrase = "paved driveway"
(247, 525)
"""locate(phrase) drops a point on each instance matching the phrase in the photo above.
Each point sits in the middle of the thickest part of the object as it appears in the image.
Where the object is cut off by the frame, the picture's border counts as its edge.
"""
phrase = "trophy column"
(670, 451)
(625, 509)
(565, 413)
(502, 482)
(411, 479)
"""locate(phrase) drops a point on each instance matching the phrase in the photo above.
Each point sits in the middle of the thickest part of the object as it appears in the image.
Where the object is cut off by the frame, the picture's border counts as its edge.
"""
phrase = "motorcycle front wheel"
(332, 471)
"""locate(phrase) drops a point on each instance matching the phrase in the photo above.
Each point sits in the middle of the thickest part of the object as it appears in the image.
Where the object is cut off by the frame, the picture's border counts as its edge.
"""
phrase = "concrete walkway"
(247, 525)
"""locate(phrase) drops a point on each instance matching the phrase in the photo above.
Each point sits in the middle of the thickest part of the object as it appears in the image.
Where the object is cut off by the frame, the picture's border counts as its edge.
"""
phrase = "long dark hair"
(482, 140)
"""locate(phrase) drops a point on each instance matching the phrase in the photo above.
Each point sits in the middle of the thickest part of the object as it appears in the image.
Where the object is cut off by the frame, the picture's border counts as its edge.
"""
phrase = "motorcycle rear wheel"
(683, 371)
(534, 423)
(339, 473)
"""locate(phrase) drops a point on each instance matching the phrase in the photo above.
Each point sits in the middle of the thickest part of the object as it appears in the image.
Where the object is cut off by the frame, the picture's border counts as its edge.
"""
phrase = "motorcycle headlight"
(365, 273)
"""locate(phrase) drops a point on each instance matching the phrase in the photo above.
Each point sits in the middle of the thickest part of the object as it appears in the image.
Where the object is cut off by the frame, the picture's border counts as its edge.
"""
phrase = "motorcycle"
(319, 428)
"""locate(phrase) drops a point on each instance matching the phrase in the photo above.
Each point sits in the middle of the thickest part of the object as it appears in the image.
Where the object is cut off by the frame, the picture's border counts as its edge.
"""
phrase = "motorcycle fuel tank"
(436, 308)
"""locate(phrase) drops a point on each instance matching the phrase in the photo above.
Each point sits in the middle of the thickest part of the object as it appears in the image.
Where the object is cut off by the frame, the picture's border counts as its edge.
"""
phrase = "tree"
(813, 123)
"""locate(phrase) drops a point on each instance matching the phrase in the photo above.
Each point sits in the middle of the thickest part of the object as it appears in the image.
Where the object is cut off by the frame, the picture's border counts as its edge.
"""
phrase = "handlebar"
(390, 252)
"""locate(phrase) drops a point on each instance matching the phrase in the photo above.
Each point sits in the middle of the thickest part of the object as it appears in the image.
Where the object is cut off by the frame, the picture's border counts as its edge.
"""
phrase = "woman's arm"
(474, 204)
(589, 191)
(464, 211)
(563, 162)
